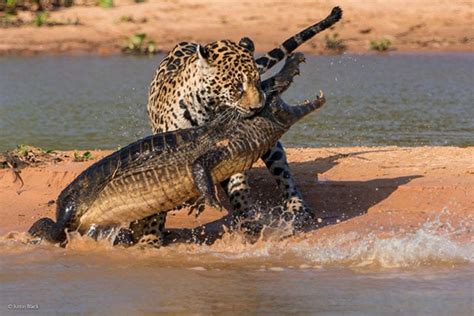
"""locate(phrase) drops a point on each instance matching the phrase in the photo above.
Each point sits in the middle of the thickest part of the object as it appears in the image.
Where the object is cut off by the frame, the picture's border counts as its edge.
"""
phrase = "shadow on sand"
(334, 200)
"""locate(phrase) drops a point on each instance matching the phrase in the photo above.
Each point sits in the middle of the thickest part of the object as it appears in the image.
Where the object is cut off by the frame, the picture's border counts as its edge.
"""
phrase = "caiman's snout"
(46, 228)
(290, 114)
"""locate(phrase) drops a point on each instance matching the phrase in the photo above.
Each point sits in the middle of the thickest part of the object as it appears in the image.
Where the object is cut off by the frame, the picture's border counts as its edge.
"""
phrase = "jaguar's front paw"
(247, 221)
(301, 215)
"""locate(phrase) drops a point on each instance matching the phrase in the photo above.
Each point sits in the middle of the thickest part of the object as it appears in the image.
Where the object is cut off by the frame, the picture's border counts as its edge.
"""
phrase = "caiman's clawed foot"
(214, 202)
(197, 206)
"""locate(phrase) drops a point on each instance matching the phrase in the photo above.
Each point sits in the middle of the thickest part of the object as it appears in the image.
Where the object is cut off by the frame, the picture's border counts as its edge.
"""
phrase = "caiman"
(162, 171)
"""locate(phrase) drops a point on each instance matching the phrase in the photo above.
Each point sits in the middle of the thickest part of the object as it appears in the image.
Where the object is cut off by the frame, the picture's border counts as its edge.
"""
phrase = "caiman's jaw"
(287, 115)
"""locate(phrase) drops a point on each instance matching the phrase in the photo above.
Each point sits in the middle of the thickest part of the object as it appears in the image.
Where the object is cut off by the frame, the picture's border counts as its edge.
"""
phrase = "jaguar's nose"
(262, 98)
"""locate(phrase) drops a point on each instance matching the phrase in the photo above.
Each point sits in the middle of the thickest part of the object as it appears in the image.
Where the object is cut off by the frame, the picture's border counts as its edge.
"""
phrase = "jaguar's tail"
(268, 60)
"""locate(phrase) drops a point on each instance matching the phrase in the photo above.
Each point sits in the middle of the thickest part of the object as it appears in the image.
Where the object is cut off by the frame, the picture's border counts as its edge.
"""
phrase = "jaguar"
(194, 82)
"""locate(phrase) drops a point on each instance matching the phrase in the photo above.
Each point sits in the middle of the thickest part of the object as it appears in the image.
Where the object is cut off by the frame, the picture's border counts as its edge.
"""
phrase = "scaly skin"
(160, 172)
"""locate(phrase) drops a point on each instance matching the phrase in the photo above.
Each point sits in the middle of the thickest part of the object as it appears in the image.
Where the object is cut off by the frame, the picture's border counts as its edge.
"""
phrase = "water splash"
(435, 243)
(425, 246)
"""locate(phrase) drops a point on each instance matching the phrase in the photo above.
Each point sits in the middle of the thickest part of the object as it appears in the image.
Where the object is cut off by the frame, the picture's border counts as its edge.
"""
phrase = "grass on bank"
(381, 45)
(138, 44)
(334, 43)
(43, 19)
(82, 157)
(106, 3)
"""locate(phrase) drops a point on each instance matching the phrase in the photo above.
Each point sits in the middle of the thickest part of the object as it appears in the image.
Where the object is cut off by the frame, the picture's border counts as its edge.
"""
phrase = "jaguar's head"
(231, 76)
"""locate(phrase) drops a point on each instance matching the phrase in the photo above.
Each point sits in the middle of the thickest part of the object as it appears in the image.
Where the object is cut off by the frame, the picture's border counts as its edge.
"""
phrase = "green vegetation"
(26, 155)
(130, 19)
(22, 149)
(106, 3)
(137, 44)
(40, 19)
(12, 6)
(125, 18)
(8, 6)
(82, 157)
(334, 43)
(382, 45)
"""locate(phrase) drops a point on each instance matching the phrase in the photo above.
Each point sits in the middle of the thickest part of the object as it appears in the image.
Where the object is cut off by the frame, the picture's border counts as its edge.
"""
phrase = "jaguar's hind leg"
(150, 232)
(146, 231)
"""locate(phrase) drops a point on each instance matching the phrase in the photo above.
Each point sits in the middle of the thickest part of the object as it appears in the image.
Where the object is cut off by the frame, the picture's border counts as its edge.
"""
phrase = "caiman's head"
(286, 115)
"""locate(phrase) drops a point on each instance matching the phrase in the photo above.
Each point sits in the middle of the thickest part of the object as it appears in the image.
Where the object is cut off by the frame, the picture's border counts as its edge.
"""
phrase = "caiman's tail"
(276, 55)
(46, 228)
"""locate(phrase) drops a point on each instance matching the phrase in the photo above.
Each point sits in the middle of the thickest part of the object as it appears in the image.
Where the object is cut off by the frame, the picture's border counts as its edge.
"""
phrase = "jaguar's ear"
(247, 43)
(203, 54)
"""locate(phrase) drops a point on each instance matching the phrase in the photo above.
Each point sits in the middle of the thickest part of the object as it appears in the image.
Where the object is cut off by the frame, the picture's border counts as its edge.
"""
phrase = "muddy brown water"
(424, 272)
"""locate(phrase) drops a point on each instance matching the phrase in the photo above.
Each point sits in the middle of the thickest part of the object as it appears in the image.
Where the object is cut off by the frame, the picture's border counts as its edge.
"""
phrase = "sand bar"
(378, 189)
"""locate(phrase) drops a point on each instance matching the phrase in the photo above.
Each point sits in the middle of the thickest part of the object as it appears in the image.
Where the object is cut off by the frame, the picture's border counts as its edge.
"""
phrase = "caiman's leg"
(202, 177)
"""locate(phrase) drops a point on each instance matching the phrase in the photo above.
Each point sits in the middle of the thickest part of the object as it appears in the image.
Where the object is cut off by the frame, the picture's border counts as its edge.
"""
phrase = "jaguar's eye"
(239, 87)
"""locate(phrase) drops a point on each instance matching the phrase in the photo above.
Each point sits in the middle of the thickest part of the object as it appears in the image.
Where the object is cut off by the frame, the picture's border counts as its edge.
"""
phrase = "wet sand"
(378, 190)
(411, 26)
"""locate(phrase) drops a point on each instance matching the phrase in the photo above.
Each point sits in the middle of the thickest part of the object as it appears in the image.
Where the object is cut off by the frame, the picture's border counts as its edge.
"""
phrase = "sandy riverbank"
(412, 26)
(380, 190)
